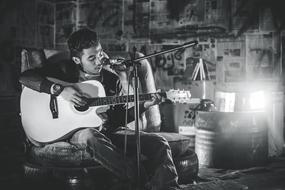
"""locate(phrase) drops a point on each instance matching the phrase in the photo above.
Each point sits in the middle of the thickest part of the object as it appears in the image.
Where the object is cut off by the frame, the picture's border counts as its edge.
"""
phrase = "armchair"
(62, 160)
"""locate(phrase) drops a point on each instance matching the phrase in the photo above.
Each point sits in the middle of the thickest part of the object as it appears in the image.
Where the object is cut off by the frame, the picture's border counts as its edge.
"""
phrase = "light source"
(257, 100)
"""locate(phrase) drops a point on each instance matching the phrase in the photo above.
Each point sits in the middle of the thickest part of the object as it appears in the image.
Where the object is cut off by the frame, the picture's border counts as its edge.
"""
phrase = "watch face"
(56, 87)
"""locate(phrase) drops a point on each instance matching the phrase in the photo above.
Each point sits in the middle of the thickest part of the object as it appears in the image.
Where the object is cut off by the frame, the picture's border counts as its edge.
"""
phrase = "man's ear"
(76, 60)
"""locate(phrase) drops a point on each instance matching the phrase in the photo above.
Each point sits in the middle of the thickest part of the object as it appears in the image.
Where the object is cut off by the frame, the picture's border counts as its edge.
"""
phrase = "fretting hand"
(155, 99)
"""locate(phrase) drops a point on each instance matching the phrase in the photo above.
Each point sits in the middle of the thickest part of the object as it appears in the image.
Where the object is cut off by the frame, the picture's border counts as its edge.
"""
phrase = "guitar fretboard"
(111, 100)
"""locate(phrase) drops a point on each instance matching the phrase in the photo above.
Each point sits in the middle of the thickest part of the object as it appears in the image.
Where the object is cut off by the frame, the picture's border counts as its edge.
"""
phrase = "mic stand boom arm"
(133, 61)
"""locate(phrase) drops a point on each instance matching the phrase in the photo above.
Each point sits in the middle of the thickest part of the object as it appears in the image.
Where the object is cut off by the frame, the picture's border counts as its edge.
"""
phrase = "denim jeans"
(108, 152)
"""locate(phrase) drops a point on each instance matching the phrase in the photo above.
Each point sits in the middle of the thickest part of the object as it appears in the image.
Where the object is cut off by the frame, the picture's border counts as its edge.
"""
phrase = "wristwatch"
(56, 89)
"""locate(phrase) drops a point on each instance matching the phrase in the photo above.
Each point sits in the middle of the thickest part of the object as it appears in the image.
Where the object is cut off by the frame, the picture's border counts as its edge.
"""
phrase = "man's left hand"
(155, 99)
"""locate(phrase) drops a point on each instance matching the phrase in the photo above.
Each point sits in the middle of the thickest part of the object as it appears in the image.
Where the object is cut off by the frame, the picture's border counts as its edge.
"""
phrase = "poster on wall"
(233, 70)
(262, 57)
(199, 75)
(216, 11)
(104, 16)
(173, 63)
(169, 19)
(240, 16)
(231, 60)
(182, 19)
(206, 51)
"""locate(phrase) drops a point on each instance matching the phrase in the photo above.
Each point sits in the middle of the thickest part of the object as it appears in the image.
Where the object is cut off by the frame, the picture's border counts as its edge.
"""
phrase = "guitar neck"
(112, 100)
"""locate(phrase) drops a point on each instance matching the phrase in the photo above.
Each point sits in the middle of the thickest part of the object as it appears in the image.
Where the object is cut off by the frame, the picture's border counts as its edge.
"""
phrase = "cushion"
(187, 167)
(32, 58)
(55, 56)
(60, 154)
(178, 143)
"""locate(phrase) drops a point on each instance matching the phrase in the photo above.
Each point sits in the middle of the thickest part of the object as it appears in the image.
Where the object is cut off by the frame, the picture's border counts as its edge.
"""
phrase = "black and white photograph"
(142, 95)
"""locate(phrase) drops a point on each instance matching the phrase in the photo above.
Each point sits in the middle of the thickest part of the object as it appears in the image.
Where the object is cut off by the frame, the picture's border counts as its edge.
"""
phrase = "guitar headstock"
(178, 96)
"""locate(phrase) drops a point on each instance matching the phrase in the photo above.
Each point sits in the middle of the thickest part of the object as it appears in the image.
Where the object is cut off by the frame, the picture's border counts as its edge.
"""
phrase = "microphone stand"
(135, 62)
(136, 101)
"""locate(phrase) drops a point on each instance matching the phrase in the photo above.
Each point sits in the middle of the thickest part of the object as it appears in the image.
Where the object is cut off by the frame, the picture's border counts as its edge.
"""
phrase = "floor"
(268, 177)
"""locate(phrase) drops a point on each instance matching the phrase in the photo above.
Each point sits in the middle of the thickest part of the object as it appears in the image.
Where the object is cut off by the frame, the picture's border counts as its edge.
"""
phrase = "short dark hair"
(81, 39)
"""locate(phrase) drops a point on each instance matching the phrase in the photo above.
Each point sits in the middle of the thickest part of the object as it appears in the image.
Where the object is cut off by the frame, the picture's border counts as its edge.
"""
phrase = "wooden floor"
(269, 177)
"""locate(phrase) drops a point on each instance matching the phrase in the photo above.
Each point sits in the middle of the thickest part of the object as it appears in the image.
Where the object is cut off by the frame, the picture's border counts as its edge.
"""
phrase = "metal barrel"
(231, 140)
(204, 147)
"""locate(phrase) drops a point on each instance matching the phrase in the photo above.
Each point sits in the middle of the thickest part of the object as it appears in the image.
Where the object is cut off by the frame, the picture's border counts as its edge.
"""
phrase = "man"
(86, 55)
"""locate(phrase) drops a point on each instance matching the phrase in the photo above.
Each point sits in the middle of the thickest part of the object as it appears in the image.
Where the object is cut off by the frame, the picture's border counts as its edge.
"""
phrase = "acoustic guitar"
(40, 123)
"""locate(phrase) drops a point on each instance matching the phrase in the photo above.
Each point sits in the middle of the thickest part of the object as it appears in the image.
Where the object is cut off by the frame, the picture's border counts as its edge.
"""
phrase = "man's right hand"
(73, 95)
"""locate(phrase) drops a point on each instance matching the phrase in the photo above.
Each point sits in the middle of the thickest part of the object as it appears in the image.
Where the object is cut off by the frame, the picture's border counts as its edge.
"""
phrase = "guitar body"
(37, 119)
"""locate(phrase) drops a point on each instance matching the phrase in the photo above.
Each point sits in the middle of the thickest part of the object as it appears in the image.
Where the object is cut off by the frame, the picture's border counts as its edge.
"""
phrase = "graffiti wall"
(153, 26)
(182, 19)
(104, 16)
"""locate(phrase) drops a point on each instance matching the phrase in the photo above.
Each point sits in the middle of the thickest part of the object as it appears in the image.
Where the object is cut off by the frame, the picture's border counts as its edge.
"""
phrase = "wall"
(152, 26)
(11, 135)
(8, 82)
(23, 24)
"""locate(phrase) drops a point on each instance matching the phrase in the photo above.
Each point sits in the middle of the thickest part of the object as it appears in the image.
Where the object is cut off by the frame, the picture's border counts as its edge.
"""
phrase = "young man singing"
(86, 64)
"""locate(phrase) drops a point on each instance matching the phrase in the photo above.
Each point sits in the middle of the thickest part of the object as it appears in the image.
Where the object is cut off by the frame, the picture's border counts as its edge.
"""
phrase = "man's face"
(91, 59)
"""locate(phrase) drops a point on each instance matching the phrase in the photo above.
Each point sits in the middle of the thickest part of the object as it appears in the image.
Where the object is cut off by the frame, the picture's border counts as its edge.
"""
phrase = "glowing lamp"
(257, 100)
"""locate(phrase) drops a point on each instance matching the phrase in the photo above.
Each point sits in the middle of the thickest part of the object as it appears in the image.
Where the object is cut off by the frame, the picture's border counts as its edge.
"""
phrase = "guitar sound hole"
(81, 108)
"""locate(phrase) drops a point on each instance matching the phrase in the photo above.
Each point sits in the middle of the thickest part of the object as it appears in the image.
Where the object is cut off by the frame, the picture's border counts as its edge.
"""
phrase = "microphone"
(115, 63)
